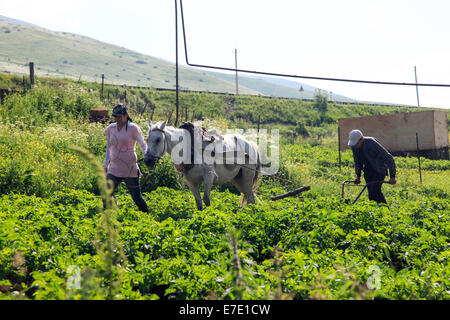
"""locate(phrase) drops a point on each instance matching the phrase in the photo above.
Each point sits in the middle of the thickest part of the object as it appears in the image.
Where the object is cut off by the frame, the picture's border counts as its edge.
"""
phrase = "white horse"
(221, 159)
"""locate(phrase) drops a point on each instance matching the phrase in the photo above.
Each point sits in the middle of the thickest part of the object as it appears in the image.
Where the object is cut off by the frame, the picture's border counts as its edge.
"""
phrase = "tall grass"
(48, 104)
(107, 244)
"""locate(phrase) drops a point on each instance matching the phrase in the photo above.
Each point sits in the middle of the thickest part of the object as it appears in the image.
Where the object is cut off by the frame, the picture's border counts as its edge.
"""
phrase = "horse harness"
(165, 143)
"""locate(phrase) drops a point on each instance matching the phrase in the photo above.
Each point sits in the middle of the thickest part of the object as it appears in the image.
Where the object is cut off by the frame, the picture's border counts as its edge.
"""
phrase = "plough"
(351, 183)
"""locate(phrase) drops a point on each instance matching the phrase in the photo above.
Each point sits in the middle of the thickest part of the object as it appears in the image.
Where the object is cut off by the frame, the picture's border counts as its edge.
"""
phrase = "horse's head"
(156, 143)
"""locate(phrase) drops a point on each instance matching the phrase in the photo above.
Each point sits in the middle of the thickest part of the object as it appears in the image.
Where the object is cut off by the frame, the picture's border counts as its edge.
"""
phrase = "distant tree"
(300, 129)
(320, 102)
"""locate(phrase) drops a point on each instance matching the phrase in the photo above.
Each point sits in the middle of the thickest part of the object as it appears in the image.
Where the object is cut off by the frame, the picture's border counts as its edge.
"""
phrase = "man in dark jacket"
(375, 160)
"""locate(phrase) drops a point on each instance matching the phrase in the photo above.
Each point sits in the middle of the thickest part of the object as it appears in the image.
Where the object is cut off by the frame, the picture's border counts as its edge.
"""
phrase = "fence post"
(103, 82)
(418, 156)
(31, 74)
(259, 121)
(339, 146)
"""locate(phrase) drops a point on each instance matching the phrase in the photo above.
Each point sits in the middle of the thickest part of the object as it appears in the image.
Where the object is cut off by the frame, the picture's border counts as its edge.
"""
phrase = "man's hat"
(119, 110)
(354, 136)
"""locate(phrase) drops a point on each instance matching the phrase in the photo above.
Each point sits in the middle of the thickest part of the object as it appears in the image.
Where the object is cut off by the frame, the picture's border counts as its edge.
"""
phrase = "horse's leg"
(195, 189)
(208, 180)
(247, 176)
(237, 182)
(244, 183)
(249, 196)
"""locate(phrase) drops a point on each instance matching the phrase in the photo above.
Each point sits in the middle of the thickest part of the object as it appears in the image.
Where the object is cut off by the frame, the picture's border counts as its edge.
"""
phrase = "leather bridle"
(165, 144)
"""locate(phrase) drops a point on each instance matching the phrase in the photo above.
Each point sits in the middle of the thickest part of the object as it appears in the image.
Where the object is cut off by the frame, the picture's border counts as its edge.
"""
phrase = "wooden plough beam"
(291, 193)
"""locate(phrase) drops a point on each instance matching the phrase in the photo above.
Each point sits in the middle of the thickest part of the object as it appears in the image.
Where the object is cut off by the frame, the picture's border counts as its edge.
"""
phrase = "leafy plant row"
(320, 248)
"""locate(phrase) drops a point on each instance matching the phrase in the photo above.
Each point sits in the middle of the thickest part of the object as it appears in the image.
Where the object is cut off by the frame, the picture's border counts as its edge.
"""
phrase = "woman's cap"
(119, 110)
(354, 136)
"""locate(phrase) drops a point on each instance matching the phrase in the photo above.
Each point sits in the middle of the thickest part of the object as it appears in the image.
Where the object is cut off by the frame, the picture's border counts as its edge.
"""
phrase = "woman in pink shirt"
(120, 158)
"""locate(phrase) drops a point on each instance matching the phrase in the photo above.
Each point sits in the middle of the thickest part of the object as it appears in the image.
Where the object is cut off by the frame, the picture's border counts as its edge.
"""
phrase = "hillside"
(61, 54)
(67, 55)
(278, 87)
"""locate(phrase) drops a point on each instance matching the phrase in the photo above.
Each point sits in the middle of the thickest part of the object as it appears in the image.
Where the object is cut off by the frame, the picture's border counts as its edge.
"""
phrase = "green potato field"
(58, 240)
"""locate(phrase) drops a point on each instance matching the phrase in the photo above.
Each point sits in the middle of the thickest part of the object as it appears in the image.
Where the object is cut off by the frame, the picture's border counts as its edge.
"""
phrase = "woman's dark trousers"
(134, 189)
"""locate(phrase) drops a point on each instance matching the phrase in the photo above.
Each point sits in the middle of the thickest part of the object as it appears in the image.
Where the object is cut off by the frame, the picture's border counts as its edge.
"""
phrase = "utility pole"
(176, 58)
(235, 63)
(417, 87)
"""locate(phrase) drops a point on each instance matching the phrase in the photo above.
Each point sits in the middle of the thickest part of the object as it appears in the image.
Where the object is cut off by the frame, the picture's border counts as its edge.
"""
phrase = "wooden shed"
(397, 132)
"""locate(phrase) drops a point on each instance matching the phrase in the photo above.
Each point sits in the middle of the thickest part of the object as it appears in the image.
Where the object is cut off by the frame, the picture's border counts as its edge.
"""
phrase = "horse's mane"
(190, 127)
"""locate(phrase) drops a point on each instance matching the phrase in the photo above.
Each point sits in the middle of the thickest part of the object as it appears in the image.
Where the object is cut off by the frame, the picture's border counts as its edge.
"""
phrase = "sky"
(376, 40)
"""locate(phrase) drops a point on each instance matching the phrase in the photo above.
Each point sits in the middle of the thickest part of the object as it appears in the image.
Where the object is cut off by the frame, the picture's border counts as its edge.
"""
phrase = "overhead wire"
(297, 76)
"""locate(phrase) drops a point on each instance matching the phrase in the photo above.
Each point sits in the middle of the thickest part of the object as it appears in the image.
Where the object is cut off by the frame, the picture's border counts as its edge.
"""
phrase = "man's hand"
(392, 181)
(357, 181)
